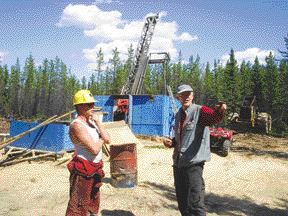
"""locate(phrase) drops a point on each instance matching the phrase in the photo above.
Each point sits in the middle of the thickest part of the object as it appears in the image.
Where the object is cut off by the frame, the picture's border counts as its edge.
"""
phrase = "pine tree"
(37, 83)
(246, 84)
(258, 84)
(65, 105)
(29, 87)
(129, 62)
(15, 88)
(283, 83)
(147, 86)
(285, 53)
(99, 70)
(219, 81)
(83, 83)
(7, 88)
(92, 84)
(127, 69)
(177, 73)
(73, 85)
(52, 100)
(271, 84)
(193, 77)
(231, 84)
(43, 102)
(116, 73)
(208, 91)
(2, 88)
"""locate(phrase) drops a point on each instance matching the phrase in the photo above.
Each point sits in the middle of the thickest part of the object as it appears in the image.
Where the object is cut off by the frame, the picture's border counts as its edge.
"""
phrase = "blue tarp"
(151, 116)
(148, 115)
(53, 137)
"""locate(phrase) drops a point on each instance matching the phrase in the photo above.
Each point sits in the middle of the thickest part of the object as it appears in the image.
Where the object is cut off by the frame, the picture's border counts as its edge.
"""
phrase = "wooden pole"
(106, 150)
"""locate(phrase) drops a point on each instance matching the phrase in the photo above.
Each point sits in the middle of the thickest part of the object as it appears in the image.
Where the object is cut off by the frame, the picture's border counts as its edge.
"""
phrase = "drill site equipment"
(135, 80)
(134, 83)
(132, 86)
(253, 116)
(123, 154)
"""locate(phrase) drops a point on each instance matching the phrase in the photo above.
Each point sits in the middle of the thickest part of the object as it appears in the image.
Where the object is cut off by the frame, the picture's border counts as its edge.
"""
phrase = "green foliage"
(208, 90)
(285, 52)
(245, 80)
(258, 84)
(283, 83)
(271, 84)
(219, 80)
(232, 84)
(36, 92)
(193, 77)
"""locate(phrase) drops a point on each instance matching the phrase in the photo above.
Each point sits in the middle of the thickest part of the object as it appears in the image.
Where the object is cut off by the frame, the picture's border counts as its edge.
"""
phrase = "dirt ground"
(252, 180)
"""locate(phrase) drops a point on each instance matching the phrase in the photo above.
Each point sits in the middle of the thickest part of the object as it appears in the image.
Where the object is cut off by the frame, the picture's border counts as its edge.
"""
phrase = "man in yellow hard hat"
(88, 136)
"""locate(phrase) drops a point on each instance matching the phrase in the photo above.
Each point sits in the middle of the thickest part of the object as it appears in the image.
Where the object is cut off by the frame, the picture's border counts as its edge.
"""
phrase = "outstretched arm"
(210, 116)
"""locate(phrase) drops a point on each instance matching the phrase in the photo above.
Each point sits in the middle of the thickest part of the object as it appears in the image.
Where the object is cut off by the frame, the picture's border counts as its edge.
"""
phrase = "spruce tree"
(43, 109)
(83, 83)
(271, 84)
(283, 83)
(116, 74)
(2, 88)
(285, 53)
(208, 90)
(245, 80)
(219, 81)
(99, 71)
(258, 84)
(29, 87)
(231, 84)
(92, 84)
(192, 76)
(15, 89)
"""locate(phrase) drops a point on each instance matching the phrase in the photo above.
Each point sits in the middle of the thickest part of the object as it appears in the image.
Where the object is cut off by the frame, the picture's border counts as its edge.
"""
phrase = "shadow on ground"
(225, 205)
(116, 213)
(229, 205)
(258, 152)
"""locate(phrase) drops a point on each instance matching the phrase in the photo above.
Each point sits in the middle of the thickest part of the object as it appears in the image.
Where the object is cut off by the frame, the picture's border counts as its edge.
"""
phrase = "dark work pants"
(190, 189)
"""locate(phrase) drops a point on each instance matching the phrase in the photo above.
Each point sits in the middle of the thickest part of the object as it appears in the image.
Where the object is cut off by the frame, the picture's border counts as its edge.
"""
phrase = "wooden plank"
(28, 159)
(36, 150)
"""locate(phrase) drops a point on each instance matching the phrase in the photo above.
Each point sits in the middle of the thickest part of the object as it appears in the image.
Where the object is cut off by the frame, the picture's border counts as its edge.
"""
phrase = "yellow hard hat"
(83, 97)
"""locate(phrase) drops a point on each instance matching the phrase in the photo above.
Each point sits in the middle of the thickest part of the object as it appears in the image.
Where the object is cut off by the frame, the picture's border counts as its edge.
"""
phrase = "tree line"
(45, 90)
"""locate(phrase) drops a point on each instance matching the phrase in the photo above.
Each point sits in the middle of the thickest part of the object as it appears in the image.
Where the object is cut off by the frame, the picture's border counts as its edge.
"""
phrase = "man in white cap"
(191, 150)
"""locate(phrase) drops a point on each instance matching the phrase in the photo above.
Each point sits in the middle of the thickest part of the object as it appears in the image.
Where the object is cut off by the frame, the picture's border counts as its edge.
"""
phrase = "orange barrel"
(123, 165)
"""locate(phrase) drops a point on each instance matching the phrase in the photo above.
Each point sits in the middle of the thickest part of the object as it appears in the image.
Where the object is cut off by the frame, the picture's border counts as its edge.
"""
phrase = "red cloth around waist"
(85, 167)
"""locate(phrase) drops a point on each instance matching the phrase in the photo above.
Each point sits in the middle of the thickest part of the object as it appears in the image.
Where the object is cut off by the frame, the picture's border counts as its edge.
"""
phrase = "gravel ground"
(250, 181)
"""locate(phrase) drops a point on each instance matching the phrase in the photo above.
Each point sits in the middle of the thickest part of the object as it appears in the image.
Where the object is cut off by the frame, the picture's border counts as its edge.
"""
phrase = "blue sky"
(75, 30)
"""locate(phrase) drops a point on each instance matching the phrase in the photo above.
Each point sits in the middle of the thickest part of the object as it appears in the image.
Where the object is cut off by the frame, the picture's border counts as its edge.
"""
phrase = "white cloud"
(97, 2)
(187, 37)
(111, 31)
(248, 55)
(88, 17)
(2, 56)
